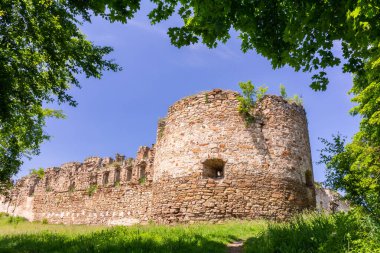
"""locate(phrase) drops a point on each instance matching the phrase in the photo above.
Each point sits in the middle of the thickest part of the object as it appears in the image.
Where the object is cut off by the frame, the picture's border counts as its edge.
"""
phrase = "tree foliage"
(42, 51)
(354, 169)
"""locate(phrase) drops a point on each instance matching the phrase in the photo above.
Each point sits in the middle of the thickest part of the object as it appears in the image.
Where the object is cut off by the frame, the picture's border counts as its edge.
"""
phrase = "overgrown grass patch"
(341, 232)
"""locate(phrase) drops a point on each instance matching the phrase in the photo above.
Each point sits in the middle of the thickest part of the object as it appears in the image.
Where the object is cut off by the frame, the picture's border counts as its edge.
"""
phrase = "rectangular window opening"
(213, 168)
(106, 177)
(129, 174)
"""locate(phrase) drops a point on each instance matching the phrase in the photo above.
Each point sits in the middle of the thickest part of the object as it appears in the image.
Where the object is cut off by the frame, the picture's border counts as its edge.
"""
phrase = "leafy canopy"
(42, 51)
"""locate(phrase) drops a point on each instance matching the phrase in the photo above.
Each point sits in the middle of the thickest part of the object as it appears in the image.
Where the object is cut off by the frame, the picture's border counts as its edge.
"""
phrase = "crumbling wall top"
(203, 98)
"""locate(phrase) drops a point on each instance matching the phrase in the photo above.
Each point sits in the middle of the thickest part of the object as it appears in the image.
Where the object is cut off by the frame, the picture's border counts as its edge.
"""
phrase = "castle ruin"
(208, 164)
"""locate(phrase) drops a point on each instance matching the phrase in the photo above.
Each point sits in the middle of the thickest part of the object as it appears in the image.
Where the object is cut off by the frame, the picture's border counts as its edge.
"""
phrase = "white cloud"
(148, 27)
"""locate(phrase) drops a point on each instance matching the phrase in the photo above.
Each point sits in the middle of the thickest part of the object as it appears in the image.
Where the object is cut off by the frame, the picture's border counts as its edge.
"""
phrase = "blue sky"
(120, 112)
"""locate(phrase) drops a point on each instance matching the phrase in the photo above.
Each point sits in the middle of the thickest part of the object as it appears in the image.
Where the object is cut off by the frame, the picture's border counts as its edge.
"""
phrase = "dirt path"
(235, 247)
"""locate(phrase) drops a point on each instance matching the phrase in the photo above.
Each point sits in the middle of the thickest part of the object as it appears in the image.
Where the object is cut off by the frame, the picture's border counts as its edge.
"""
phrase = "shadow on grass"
(113, 240)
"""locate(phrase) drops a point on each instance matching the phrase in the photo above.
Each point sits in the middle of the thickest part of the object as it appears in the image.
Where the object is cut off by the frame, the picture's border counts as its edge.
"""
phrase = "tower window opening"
(213, 168)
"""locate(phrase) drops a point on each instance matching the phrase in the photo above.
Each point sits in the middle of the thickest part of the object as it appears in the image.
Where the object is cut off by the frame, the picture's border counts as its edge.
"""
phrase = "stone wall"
(208, 163)
(20, 201)
(97, 191)
(330, 201)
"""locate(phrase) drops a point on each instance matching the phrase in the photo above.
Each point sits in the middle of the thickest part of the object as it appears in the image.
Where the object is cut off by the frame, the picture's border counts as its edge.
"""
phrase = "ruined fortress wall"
(266, 165)
(123, 205)
(20, 201)
(97, 191)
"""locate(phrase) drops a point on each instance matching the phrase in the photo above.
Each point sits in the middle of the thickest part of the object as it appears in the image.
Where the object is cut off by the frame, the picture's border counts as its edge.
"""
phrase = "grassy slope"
(317, 233)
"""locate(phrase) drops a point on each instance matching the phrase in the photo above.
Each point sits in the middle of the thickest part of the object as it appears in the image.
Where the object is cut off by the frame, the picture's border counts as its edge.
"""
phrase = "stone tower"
(211, 165)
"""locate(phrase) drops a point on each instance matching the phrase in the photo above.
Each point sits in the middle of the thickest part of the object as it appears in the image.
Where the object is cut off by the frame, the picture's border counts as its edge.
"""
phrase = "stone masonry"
(208, 164)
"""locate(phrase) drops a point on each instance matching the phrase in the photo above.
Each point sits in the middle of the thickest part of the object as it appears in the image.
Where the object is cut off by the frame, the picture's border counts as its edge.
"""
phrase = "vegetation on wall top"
(40, 172)
(248, 99)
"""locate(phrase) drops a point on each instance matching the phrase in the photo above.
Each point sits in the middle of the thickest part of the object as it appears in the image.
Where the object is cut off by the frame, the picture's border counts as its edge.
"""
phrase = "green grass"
(353, 232)
(38, 237)
(319, 233)
(10, 226)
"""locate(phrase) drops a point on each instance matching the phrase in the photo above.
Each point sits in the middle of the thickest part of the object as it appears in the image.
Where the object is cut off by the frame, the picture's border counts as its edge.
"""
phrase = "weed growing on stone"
(206, 99)
(296, 99)
(248, 99)
(92, 189)
(142, 180)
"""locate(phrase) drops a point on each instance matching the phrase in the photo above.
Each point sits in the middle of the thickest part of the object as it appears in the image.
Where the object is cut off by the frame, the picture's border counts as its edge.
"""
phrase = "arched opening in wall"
(129, 174)
(213, 168)
(117, 177)
(47, 184)
(309, 178)
(142, 171)
(106, 176)
(31, 191)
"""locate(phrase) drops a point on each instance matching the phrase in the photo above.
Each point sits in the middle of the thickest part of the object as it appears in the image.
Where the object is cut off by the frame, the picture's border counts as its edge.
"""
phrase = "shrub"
(40, 173)
(283, 91)
(248, 98)
(261, 91)
(2, 214)
(16, 219)
(296, 99)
